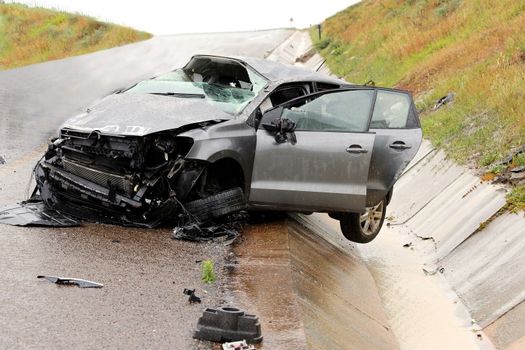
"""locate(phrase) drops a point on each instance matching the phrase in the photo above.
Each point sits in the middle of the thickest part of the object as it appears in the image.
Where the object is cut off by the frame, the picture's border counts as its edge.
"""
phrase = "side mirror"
(282, 128)
(270, 120)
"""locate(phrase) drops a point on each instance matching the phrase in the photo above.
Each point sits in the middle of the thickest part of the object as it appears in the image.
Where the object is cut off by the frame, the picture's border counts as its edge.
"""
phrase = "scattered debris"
(507, 160)
(76, 281)
(34, 213)
(237, 345)
(228, 324)
(406, 245)
(203, 232)
(472, 189)
(2, 160)
(192, 297)
(196, 231)
(432, 271)
(306, 56)
(444, 100)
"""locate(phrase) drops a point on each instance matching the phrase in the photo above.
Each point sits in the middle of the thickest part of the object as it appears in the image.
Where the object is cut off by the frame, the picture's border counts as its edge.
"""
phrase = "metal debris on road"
(228, 324)
(237, 345)
(192, 297)
(72, 281)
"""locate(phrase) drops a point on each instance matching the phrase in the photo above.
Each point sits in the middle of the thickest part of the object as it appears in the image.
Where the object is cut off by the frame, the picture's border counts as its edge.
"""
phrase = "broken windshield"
(230, 95)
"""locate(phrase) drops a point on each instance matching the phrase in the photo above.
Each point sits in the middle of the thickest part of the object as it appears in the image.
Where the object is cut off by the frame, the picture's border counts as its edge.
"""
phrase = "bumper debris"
(34, 214)
(74, 281)
(228, 324)
(237, 345)
(192, 297)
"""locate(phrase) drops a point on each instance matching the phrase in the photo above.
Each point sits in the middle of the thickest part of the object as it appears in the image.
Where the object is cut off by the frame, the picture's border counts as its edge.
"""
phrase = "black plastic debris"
(192, 297)
(196, 231)
(228, 324)
(237, 345)
(200, 233)
(444, 100)
(72, 281)
(34, 214)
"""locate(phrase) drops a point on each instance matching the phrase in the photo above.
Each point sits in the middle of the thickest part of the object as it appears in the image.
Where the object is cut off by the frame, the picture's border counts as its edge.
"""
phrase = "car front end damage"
(129, 180)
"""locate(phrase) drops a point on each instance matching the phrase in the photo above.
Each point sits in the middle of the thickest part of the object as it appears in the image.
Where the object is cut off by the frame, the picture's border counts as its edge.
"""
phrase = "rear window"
(391, 110)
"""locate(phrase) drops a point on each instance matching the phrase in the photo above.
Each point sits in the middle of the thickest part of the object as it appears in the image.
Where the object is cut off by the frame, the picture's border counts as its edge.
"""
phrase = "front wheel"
(363, 227)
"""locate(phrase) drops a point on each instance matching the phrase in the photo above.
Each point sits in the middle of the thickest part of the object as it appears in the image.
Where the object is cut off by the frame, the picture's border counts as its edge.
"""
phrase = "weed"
(519, 160)
(322, 44)
(516, 199)
(208, 273)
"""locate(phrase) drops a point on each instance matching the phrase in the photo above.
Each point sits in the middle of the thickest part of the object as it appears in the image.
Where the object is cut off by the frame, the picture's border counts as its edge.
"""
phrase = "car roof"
(278, 72)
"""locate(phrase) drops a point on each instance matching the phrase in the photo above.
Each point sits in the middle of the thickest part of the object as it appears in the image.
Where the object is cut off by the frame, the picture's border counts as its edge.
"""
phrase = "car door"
(398, 137)
(323, 165)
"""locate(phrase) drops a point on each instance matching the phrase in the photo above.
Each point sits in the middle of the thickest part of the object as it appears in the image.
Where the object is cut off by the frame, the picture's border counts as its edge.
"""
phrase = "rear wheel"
(363, 227)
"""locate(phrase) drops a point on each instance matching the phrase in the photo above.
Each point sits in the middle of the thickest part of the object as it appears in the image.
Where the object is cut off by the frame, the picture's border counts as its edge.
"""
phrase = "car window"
(391, 110)
(338, 111)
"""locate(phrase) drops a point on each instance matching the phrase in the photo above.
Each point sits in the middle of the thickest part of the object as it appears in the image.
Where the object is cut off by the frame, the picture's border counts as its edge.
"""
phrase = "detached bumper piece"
(34, 214)
(228, 324)
(72, 281)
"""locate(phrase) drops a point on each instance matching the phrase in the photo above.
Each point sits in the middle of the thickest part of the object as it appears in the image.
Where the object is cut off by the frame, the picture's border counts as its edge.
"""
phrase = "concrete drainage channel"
(309, 292)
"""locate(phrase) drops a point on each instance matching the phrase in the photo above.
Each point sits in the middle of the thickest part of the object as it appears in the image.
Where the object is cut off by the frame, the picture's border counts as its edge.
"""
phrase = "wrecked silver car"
(224, 134)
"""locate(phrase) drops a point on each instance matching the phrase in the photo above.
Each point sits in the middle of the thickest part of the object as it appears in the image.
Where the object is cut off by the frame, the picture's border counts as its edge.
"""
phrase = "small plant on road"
(208, 274)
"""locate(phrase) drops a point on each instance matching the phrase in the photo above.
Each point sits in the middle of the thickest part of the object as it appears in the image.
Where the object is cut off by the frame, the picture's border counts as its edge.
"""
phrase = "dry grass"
(31, 35)
(475, 48)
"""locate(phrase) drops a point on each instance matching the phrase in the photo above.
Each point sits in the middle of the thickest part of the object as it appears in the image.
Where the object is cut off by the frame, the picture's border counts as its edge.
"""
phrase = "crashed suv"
(223, 134)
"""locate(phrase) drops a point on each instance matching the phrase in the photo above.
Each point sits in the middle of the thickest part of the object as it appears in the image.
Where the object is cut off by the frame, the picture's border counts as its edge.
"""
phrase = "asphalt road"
(144, 271)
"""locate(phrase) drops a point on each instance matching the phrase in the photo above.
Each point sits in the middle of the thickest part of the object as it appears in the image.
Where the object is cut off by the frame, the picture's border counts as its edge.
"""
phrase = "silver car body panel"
(143, 114)
(388, 163)
(317, 173)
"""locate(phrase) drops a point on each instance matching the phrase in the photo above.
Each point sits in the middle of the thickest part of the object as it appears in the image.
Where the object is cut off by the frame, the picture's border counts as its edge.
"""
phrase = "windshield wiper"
(178, 94)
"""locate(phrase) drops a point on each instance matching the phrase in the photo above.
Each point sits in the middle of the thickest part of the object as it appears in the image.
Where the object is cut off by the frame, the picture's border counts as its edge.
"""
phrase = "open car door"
(313, 153)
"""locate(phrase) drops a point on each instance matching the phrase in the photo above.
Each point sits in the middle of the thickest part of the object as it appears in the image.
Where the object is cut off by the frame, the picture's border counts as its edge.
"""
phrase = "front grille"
(121, 183)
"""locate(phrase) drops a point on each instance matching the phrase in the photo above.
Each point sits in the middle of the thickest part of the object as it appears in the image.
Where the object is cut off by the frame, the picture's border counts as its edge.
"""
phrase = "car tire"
(220, 204)
(363, 228)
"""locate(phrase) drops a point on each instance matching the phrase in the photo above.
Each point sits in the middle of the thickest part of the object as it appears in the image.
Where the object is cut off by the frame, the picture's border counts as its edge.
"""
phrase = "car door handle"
(400, 145)
(356, 149)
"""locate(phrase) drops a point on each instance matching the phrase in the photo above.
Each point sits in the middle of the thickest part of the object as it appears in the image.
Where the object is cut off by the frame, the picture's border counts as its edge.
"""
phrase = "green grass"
(516, 198)
(208, 273)
(31, 35)
(474, 48)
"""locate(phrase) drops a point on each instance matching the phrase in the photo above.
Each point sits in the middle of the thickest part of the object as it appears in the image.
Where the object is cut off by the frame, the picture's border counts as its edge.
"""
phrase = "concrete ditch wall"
(309, 287)
(440, 200)
(481, 253)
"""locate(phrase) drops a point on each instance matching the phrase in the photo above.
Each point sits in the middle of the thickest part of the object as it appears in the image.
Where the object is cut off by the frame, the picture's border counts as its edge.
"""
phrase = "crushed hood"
(135, 114)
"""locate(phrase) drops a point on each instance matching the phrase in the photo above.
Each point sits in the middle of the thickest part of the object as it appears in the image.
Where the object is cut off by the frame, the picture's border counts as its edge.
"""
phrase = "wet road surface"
(143, 271)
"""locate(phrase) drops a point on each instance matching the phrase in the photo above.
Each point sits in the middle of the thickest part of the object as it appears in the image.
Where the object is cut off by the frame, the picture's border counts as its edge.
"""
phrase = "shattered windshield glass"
(230, 96)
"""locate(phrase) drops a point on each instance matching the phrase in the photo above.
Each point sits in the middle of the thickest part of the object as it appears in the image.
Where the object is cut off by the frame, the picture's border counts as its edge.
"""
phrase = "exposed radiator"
(121, 183)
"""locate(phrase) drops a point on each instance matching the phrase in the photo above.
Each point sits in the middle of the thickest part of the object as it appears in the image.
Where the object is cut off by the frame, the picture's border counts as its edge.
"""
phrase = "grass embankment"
(474, 48)
(30, 35)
